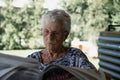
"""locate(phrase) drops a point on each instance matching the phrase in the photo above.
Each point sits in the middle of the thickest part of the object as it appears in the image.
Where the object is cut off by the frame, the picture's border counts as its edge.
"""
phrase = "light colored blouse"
(73, 57)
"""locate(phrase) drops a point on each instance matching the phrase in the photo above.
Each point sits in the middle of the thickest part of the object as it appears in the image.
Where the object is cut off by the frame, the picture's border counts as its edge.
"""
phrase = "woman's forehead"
(53, 25)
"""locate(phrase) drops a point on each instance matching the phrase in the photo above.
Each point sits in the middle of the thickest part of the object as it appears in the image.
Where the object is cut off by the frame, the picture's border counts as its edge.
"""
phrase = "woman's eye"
(56, 33)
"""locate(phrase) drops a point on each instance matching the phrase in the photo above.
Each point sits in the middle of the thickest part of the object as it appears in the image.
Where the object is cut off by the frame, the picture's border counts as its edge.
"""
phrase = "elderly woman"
(56, 26)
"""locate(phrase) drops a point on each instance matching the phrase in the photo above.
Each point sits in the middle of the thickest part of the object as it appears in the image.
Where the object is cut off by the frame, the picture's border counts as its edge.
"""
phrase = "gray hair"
(57, 15)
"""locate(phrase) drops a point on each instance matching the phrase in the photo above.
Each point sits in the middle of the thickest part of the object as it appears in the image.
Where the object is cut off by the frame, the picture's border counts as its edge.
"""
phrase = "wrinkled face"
(53, 36)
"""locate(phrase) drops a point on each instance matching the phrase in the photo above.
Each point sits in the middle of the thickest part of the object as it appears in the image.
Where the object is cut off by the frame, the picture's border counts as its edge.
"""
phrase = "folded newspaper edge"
(17, 61)
(9, 64)
(82, 74)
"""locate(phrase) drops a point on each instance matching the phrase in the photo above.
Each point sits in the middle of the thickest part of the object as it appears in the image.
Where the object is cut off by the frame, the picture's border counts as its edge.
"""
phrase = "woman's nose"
(50, 36)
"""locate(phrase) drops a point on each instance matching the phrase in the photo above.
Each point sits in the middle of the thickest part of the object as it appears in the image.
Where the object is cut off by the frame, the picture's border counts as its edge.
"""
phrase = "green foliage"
(20, 27)
(89, 17)
(76, 9)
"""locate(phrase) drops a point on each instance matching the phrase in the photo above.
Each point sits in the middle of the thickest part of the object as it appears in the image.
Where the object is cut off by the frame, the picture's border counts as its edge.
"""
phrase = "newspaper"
(9, 65)
(18, 68)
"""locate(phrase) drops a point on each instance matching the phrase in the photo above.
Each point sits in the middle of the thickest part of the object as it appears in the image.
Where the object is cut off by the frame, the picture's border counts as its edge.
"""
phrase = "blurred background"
(20, 33)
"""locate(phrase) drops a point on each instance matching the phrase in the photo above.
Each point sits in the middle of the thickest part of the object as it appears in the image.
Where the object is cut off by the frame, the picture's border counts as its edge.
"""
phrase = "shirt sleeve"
(35, 55)
(82, 61)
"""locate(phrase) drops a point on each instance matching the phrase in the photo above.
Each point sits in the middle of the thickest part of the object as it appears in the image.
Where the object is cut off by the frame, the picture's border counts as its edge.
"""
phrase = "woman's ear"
(66, 34)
